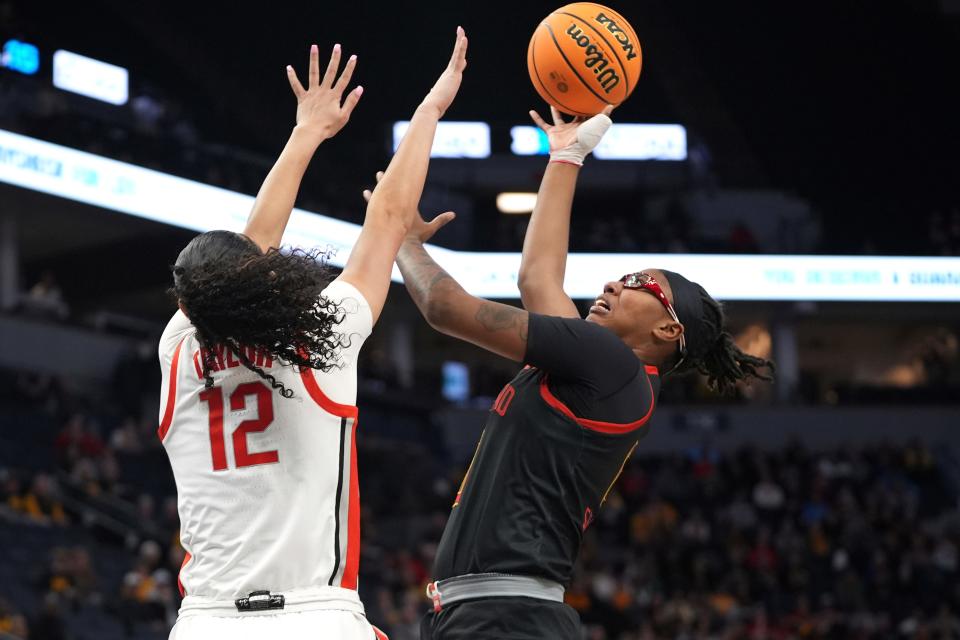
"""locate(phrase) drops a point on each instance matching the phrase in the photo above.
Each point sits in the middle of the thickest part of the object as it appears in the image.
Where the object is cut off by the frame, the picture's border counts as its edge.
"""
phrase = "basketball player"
(259, 388)
(561, 431)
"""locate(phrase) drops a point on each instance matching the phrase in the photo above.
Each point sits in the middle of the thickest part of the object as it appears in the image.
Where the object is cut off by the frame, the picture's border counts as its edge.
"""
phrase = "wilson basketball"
(582, 57)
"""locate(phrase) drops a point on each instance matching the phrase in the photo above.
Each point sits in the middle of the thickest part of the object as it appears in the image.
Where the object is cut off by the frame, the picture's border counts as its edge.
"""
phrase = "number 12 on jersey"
(238, 402)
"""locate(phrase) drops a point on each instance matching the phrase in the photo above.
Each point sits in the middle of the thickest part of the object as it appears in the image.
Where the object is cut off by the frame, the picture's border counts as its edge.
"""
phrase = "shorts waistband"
(294, 601)
(492, 585)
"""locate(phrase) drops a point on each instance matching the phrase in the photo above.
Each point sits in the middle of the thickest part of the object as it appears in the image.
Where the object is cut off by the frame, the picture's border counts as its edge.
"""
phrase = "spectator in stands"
(77, 440)
(742, 240)
(40, 390)
(41, 504)
(45, 299)
(13, 625)
(85, 476)
(147, 593)
(48, 624)
(11, 498)
(126, 437)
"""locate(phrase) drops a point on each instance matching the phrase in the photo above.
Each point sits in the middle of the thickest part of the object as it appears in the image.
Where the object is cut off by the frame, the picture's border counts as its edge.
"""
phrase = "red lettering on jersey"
(213, 358)
(502, 403)
(587, 518)
(238, 402)
(218, 452)
(224, 358)
(218, 351)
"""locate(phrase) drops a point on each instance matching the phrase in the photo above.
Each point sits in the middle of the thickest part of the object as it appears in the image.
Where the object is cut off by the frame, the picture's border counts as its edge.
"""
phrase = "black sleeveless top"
(555, 441)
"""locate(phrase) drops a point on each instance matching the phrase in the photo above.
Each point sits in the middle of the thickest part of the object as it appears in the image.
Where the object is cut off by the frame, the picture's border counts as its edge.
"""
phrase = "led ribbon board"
(126, 188)
(452, 139)
(90, 77)
(624, 141)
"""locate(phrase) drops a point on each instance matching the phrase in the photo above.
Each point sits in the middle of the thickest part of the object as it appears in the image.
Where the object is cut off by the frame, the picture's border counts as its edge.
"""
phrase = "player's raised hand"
(572, 141)
(321, 108)
(420, 229)
(445, 89)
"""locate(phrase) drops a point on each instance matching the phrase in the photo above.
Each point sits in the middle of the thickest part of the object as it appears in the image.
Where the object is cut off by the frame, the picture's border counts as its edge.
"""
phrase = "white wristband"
(589, 134)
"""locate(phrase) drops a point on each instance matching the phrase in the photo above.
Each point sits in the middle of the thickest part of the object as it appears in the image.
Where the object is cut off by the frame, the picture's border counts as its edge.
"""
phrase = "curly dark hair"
(721, 360)
(245, 300)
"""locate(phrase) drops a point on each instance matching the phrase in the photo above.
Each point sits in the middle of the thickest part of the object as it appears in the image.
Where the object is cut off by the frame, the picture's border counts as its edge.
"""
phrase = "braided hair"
(721, 360)
(246, 301)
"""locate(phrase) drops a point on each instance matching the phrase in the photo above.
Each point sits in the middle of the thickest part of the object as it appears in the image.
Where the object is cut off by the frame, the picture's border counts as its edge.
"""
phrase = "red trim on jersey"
(328, 405)
(652, 370)
(186, 559)
(196, 364)
(352, 566)
(595, 425)
(171, 394)
(380, 635)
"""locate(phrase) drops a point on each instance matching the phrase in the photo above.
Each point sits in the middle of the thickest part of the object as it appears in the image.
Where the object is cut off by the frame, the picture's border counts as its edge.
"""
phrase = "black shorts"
(502, 619)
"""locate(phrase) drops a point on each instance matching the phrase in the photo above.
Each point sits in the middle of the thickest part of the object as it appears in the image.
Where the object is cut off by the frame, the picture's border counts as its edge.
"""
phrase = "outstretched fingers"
(458, 59)
(298, 89)
(332, 66)
(540, 122)
(555, 113)
(344, 78)
(352, 99)
(440, 221)
(313, 77)
(367, 193)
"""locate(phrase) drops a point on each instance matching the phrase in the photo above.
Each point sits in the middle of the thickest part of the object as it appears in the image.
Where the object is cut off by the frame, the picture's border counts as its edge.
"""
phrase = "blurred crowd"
(859, 542)
(853, 543)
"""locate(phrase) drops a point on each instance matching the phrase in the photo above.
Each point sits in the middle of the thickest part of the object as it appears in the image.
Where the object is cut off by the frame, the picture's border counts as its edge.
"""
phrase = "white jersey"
(267, 486)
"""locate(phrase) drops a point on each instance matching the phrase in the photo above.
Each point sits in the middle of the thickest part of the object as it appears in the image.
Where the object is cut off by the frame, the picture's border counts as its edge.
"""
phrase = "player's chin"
(594, 317)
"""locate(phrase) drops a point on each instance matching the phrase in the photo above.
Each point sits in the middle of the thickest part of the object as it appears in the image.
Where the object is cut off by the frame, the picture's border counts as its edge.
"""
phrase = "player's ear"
(668, 331)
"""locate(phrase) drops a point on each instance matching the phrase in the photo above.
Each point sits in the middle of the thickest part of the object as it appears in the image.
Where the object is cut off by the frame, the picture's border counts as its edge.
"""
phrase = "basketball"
(583, 57)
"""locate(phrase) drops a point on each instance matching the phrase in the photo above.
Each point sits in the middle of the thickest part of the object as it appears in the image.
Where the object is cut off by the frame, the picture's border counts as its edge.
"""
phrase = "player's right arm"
(393, 203)
(450, 309)
(546, 243)
(569, 347)
(320, 115)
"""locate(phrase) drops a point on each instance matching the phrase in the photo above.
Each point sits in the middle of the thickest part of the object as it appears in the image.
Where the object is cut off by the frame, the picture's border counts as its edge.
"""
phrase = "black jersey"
(555, 441)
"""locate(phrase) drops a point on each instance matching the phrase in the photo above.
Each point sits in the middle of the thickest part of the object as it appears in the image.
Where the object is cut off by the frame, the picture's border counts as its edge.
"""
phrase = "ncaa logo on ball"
(559, 81)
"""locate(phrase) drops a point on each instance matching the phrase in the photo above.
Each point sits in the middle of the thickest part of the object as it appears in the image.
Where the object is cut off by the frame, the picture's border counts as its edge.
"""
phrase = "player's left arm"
(446, 305)
(496, 327)
(321, 113)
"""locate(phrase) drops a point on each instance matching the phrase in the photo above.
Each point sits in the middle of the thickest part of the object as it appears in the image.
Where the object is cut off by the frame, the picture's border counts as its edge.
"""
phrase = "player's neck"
(651, 354)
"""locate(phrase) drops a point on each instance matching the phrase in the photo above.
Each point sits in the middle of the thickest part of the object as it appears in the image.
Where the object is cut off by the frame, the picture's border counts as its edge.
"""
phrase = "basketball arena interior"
(799, 160)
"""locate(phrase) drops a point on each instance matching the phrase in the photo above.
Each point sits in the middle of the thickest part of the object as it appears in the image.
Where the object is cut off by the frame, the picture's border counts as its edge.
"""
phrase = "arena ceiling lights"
(126, 188)
(22, 57)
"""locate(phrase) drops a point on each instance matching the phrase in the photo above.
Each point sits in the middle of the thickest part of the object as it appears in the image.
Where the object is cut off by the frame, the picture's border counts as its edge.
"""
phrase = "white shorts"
(316, 614)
